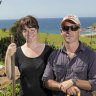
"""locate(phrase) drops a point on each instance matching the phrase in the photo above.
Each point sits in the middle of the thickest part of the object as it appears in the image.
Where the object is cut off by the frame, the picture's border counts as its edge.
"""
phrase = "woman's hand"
(11, 49)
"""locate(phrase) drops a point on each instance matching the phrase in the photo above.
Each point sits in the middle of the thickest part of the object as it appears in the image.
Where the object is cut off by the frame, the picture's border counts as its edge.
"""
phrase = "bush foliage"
(5, 41)
(8, 90)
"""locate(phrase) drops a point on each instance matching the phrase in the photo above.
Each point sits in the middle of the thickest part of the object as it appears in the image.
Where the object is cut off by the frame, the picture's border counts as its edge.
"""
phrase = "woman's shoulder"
(18, 48)
(49, 47)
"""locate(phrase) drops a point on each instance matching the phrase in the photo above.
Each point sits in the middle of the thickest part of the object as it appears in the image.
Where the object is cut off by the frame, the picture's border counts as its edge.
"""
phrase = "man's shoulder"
(89, 49)
(89, 52)
(55, 53)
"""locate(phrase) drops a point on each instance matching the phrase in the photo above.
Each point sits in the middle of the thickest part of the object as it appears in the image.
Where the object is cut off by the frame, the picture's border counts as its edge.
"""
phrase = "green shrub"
(8, 90)
(4, 42)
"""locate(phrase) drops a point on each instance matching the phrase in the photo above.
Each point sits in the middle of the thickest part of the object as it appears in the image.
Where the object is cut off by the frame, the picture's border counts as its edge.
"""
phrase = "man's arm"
(59, 86)
(83, 84)
(53, 85)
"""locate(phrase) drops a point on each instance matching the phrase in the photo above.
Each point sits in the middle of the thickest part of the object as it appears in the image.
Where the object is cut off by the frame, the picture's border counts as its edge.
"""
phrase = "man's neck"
(71, 47)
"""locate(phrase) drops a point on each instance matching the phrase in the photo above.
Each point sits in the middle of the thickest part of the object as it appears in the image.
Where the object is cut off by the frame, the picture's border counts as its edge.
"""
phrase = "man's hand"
(73, 90)
(66, 85)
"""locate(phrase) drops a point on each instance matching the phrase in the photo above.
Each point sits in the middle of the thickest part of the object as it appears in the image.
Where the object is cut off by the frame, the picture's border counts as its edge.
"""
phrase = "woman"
(30, 59)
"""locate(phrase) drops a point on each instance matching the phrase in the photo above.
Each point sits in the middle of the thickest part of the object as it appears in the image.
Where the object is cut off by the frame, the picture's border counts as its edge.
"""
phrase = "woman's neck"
(32, 45)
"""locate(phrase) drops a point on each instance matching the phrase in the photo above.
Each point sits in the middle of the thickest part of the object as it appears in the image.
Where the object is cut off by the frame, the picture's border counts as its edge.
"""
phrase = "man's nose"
(69, 31)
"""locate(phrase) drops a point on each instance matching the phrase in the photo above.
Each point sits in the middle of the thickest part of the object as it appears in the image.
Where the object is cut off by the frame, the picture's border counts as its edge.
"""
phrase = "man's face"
(70, 32)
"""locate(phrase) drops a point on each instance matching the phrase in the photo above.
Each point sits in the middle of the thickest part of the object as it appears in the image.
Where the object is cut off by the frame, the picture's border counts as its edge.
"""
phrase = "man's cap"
(73, 18)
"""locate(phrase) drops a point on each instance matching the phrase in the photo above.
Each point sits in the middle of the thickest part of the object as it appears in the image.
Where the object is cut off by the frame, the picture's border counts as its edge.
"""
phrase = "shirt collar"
(80, 48)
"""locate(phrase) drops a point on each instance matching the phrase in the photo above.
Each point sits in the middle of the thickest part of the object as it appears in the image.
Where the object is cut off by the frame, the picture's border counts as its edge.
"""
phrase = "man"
(72, 68)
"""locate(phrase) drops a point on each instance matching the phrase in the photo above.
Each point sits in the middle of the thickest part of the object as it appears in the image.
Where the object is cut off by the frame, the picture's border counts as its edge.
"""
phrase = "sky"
(15, 9)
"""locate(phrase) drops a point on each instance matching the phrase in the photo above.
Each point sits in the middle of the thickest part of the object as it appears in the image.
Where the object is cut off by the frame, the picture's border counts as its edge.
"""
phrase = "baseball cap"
(73, 18)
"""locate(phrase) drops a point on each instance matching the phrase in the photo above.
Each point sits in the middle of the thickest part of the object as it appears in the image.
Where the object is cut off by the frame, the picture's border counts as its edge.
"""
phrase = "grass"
(4, 34)
(1, 63)
(89, 40)
(55, 39)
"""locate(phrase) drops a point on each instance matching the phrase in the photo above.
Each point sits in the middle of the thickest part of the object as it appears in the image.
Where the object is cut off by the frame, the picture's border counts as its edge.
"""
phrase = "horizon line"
(50, 17)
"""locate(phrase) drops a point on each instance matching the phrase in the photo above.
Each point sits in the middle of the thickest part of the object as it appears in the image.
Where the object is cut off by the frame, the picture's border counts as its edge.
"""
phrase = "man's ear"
(61, 31)
(81, 30)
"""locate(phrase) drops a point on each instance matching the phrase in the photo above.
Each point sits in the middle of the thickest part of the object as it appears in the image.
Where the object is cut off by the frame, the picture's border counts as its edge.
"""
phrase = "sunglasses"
(72, 28)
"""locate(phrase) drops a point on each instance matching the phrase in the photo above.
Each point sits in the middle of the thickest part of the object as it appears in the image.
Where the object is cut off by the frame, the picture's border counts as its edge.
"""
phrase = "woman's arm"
(9, 53)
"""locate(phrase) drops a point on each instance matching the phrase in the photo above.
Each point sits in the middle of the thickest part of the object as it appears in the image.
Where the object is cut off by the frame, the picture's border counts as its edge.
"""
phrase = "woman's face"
(30, 34)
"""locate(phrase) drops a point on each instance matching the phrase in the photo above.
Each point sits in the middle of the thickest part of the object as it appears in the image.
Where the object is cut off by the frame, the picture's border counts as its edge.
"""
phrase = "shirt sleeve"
(48, 73)
(92, 71)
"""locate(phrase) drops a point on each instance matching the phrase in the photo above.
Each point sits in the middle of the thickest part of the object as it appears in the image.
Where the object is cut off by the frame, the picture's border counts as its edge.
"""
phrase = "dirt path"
(4, 81)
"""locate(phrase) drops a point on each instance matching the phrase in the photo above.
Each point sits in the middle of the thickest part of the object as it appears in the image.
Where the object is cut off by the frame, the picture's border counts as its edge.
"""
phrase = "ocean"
(51, 25)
